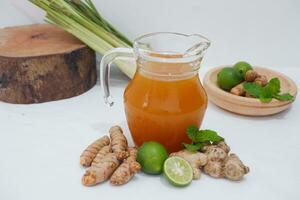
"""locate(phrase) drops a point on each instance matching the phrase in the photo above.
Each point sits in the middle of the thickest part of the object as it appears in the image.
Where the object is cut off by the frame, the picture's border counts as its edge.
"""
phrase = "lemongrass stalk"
(90, 39)
(81, 19)
(99, 36)
(88, 7)
(107, 24)
(83, 34)
(63, 7)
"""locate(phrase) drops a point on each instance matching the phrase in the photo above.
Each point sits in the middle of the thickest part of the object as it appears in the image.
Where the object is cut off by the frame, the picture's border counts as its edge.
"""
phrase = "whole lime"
(242, 67)
(228, 78)
(151, 156)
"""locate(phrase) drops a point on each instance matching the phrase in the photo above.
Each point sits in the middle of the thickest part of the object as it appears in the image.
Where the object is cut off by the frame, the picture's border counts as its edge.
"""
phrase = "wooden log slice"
(40, 63)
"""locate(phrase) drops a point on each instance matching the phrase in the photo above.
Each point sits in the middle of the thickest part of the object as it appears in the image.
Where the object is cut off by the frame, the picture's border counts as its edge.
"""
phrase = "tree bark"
(40, 63)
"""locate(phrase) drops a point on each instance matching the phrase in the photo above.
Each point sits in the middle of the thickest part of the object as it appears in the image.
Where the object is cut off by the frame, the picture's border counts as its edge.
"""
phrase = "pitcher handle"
(107, 59)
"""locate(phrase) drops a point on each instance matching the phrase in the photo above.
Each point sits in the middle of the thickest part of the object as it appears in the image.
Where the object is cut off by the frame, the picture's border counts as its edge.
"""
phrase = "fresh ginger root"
(238, 90)
(88, 155)
(221, 165)
(234, 169)
(250, 76)
(100, 155)
(215, 152)
(261, 80)
(127, 169)
(118, 142)
(108, 158)
(101, 171)
(196, 160)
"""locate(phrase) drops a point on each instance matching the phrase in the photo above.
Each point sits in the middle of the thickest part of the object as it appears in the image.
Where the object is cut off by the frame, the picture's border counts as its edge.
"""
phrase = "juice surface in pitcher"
(161, 109)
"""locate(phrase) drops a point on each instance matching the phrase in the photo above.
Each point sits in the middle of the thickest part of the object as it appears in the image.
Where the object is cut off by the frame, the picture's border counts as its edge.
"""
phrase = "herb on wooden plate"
(267, 93)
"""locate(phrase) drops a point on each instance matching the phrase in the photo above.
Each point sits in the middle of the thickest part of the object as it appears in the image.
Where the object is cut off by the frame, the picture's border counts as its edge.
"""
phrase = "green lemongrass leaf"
(69, 10)
(192, 147)
(83, 20)
(97, 34)
(81, 32)
(89, 13)
(99, 19)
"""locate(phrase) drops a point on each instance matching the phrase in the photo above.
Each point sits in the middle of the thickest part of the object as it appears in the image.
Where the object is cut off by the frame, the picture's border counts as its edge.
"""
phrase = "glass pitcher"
(165, 95)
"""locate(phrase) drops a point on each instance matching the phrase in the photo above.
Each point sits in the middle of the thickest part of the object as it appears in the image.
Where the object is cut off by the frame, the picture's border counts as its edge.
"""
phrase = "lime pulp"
(178, 171)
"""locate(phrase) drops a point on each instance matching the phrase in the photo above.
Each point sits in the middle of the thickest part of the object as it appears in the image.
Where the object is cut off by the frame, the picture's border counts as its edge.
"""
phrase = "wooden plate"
(245, 105)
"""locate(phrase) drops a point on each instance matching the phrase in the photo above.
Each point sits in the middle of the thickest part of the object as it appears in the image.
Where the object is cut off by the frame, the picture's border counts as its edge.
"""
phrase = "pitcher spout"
(199, 46)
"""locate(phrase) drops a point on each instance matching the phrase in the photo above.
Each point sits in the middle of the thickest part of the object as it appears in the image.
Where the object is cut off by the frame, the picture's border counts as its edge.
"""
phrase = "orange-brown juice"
(160, 109)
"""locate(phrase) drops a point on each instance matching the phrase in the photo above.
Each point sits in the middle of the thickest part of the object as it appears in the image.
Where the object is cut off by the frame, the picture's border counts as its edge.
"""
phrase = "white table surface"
(40, 146)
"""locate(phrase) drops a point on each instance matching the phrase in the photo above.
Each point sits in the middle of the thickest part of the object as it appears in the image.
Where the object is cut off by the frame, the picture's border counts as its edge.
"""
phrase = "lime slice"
(178, 171)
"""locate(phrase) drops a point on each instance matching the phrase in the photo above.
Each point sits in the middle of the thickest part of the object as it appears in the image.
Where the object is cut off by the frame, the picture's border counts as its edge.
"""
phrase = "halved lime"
(178, 171)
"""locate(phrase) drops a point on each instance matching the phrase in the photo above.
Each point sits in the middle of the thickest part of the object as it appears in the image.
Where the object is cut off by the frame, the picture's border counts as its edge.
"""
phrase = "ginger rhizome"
(250, 76)
(234, 169)
(118, 142)
(221, 165)
(101, 171)
(108, 158)
(196, 160)
(91, 151)
(213, 158)
(127, 169)
(100, 155)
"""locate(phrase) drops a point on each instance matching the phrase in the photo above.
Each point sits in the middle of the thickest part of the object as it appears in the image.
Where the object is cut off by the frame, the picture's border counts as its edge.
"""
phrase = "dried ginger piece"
(118, 142)
(101, 171)
(127, 169)
(88, 155)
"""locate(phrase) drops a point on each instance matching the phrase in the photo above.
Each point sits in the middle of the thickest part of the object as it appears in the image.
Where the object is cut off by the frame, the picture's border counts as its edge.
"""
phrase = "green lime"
(228, 78)
(151, 156)
(242, 67)
(178, 171)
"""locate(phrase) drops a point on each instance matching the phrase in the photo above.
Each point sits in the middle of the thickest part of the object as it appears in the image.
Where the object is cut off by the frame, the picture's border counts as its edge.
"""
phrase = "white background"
(263, 32)
(40, 144)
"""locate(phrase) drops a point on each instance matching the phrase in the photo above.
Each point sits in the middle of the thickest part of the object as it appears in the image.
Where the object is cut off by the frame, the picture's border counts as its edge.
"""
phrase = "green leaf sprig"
(200, 138)
(267, 93)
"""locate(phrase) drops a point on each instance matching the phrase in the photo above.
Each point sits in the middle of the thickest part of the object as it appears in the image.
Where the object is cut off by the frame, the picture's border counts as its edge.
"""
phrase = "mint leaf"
(265, 94)
(192, 132)
(273, 87)
(253, 89)
(265, 99)
(192, 147)
(284, 97)
(200, 138)
(208, 136)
